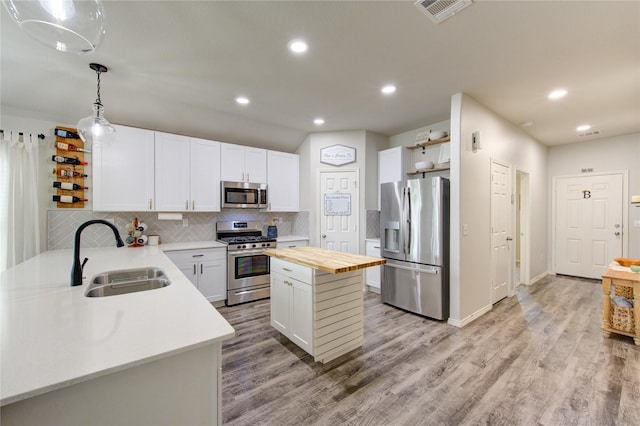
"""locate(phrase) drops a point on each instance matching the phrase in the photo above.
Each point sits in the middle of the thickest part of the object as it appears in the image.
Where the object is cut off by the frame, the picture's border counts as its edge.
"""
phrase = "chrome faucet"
(76, 270)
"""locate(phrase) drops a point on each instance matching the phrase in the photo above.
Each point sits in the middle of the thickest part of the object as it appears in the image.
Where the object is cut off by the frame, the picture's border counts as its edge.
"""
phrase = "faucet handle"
(86, 259)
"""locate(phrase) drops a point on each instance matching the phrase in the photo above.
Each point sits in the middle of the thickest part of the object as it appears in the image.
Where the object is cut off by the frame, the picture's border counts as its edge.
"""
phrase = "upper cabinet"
(123, 171)
(392, 165)
(187, 173)
(243, 164)
(283, 180)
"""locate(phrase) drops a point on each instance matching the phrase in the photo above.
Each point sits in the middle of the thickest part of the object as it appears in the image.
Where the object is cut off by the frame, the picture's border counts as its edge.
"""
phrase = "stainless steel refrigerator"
(414, 237)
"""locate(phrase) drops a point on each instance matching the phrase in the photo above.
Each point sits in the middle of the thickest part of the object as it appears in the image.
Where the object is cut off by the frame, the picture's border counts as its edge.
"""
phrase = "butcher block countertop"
(331, 261)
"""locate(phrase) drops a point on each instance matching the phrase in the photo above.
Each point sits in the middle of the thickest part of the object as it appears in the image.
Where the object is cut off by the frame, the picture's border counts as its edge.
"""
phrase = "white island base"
(319, 311)
(179, 389)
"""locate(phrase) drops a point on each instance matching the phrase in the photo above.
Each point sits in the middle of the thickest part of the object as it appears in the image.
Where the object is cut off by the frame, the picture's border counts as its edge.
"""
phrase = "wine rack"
(62, 170)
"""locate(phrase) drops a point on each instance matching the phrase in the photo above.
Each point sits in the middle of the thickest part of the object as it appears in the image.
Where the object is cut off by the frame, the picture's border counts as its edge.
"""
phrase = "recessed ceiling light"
(388, 89)
(242, 100)
(318, 121)
(583, 128)
(298, 46)
(557, 94)
(526, 123)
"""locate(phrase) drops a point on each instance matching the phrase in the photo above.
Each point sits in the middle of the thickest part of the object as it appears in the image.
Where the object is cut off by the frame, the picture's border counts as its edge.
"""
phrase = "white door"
(339, 211)
(500, 228)
(588, 222)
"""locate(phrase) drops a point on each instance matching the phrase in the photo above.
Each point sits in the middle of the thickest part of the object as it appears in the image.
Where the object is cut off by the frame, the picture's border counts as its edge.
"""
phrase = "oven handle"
(245, 252)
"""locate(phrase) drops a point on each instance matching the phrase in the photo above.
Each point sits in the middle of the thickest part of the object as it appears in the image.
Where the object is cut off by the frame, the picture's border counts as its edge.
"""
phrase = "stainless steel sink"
(127, 281)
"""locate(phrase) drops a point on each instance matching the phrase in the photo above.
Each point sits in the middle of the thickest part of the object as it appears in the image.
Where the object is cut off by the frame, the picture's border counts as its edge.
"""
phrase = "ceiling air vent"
(590, 133)
(439, 10)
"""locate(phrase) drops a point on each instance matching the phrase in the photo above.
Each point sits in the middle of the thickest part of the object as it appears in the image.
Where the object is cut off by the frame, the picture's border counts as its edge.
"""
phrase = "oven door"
(248, 268)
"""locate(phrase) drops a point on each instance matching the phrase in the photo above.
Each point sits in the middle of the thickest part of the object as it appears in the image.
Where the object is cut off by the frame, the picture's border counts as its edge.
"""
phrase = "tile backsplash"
(62, 224)
(373, 224)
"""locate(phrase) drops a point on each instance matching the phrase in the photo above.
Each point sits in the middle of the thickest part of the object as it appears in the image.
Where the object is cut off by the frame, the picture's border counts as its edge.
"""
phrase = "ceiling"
(177, 66)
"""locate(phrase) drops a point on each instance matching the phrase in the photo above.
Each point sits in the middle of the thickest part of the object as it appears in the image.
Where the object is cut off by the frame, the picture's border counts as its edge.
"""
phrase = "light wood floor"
(537, 358)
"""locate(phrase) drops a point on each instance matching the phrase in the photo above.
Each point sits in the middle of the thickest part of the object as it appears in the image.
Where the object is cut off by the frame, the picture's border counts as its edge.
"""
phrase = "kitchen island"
(151, 357)
(316, 298)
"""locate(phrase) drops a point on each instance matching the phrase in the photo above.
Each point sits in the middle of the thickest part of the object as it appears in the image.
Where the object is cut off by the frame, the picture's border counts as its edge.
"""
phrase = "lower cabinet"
(292, 243)
(372, 275)
(291, 310)
(206, 269)
(318, 311)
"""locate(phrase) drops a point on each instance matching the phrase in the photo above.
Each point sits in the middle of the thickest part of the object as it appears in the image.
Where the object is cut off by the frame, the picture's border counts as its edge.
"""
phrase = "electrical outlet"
(185, 222)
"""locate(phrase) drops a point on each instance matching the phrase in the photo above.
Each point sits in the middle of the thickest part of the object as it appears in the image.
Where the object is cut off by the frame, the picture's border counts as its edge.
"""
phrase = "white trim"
(538, 278)
(466, 321)
(625, 211)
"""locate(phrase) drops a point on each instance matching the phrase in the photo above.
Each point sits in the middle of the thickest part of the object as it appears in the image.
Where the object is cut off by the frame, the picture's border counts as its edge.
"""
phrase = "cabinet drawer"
(292, 243)
(186, 256)
(297, 272)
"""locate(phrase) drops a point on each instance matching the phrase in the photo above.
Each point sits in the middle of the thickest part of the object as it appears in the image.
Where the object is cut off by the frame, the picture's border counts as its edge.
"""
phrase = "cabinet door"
(283, 177)
(172, 172)
(123, 172)
(255, 165)
(231, 162)
(392, 166)
(372, 275)
(205, 175)
(212, 281)
(301, 315)
(280, 303)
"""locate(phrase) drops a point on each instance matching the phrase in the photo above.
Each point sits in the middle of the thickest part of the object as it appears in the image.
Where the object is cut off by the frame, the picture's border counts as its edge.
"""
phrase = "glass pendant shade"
(95, 129)
(74, 26)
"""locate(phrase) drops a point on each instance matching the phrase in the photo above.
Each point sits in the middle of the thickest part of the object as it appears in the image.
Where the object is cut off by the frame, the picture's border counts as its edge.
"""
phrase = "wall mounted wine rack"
(69, 173)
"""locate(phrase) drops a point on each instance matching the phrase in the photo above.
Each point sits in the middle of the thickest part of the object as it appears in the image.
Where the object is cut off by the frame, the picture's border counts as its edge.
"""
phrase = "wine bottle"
(68, 185)
(69, 147)
(68, 199)
(68, 160)
(66, 134)
(68, 173)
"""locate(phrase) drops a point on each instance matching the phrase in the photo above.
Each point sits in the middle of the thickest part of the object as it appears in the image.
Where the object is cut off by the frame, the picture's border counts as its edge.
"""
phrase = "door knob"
(509, 239)
(324, 235)
(616, 233)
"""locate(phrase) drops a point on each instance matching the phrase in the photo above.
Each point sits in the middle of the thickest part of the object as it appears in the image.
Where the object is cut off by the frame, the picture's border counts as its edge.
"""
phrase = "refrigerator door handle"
(404, 221)
(425, 270)
(408, 214)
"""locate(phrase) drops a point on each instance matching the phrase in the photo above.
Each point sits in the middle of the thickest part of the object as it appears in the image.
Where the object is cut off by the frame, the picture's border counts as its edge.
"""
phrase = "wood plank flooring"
(538, 358)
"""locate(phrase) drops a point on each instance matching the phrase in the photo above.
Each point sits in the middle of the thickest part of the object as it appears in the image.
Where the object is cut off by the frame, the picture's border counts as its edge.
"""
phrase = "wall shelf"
(436, 169)
(429, 143)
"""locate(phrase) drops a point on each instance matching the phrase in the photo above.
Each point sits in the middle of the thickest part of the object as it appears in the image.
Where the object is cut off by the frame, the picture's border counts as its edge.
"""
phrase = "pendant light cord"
(98, 100)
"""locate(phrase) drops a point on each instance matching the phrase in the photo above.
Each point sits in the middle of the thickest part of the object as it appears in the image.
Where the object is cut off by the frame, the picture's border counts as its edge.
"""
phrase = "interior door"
(588, 223)
(500, 228)
(339, 211)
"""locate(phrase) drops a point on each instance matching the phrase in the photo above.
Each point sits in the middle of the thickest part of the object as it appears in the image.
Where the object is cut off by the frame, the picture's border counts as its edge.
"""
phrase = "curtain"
(19, 209)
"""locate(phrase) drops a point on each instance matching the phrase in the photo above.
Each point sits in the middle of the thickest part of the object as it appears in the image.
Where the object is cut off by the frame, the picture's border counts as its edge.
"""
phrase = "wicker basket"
(623, 291)
(622, 319)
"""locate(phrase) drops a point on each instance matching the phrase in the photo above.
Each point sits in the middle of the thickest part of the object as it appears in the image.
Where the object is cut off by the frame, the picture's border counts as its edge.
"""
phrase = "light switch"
(465, 229)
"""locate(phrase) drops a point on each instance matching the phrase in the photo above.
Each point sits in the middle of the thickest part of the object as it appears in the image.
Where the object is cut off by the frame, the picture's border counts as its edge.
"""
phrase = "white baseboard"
(373, 289)
(470, 318)
(538, 278)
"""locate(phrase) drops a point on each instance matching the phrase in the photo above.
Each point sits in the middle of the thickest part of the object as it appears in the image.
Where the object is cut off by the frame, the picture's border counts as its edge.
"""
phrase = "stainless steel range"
(247, 268)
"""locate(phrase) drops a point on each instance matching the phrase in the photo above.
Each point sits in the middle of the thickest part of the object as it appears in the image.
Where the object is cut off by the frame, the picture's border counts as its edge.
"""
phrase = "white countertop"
(287, 238)
(53, 336)
(192, 245)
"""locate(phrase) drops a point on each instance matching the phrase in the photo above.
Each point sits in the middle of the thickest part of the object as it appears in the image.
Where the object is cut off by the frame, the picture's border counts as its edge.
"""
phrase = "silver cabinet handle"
(194, 269)
(186, 204)
(193, 204)
(197, 255)
(287, 269)
(150, 203)
(201, 271)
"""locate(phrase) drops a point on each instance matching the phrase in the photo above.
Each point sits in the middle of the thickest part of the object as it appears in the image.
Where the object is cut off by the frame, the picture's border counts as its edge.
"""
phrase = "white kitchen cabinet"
(243, 163)
(187, 173)
(393, 164)
(291, 309)
(123, 171)
(292, 243)
(283, 180)
(205, 268)
(372, 275)
(320, 312)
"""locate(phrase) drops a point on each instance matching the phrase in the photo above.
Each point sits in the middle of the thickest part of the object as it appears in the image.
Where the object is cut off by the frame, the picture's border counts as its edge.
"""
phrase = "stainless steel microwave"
(243, 195)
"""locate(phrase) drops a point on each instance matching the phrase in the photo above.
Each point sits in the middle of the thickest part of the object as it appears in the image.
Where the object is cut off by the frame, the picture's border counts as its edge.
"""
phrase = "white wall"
(374, 142)
(602, 155)
(470, 201)
(365, 143)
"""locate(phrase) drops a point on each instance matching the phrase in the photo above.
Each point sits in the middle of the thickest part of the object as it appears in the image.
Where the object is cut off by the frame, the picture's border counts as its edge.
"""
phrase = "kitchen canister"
(154, 240)
(272, 231)
(142, 240)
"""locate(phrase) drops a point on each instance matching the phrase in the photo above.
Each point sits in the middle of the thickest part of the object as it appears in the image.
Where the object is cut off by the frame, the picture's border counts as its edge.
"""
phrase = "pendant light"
(95, 128)
(74, 26)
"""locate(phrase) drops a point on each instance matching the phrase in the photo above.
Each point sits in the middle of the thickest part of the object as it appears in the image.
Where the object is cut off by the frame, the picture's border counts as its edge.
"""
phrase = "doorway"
(339, 206)
(588, 222)
(501, 240)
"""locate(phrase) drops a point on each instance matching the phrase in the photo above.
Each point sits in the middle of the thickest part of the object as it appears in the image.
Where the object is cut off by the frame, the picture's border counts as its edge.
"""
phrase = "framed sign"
(338, 155)
(337, 204)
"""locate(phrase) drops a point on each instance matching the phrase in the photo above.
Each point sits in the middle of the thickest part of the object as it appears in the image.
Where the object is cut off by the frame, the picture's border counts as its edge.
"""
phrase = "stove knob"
(254, 246)
(243, 246)
(265, 245)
